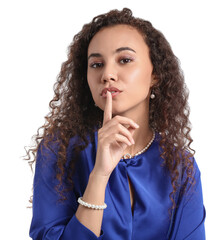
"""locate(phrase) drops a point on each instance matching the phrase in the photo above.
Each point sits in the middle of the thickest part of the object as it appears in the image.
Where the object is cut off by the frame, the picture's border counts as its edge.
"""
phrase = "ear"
(154, 81)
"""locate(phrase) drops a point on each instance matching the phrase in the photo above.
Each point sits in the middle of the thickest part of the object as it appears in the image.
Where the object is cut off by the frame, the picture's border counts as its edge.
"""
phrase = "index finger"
(108, 108)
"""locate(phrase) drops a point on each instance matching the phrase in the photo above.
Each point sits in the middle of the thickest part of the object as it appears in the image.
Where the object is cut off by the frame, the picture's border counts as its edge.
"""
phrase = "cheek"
(138, 81)
(93, 89)
(91, 80)
(138, 77)
(90, 85)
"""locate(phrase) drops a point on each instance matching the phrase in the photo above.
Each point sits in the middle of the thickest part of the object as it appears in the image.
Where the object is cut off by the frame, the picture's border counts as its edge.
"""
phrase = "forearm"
(94, 194)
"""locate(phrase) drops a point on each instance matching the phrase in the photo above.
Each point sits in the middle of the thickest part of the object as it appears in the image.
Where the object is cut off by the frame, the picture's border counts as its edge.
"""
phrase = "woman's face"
(118, 57)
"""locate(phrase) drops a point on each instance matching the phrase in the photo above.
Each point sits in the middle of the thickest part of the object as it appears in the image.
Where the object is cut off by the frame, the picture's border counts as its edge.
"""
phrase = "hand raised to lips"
(114, 136)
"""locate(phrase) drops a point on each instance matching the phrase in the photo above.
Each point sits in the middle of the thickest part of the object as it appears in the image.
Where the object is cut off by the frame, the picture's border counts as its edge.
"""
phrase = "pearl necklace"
(128, 156)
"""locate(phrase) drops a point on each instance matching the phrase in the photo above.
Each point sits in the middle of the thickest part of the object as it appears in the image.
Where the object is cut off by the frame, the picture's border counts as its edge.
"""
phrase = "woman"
(115, 160)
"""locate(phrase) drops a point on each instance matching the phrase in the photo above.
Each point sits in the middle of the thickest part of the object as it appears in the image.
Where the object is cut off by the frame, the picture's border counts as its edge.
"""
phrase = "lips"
(111, 89)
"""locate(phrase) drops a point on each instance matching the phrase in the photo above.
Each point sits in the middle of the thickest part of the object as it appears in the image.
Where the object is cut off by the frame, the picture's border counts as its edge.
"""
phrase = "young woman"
(114, 160)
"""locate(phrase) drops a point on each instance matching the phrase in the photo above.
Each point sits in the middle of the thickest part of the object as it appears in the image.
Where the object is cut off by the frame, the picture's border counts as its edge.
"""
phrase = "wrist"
(98, 179)
(95, 190)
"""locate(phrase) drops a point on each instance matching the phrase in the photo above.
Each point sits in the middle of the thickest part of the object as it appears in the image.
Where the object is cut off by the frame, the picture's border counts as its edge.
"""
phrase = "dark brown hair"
(72, 110)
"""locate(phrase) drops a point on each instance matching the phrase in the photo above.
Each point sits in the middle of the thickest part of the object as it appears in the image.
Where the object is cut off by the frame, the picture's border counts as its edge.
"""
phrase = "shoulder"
(48, 152)
(189, 168)
(191, 186)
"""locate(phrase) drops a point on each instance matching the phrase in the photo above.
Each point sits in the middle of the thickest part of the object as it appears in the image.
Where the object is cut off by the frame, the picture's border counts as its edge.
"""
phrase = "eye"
(125, 60)
(96, 65)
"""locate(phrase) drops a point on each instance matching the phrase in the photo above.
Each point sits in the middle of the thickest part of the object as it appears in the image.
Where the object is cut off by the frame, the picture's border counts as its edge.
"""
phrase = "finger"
(131, 130)
(108, 108)
(127, 133)
(126, 122)
(122, 139)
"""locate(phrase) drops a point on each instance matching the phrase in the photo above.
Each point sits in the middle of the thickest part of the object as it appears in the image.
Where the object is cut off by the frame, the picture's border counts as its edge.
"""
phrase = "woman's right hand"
(113, 138)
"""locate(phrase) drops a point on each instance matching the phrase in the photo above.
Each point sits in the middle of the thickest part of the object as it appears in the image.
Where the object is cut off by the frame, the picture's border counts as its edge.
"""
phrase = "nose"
(109, 74)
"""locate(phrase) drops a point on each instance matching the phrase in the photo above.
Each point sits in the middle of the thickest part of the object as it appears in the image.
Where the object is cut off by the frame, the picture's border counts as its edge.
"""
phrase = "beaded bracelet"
(97, 207)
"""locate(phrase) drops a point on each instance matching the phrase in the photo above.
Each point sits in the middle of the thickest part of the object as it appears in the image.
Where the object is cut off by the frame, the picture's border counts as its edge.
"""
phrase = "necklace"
(128, 156)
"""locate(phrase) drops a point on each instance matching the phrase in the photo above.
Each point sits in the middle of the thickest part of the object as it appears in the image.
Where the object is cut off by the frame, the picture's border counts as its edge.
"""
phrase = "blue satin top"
(150, 220)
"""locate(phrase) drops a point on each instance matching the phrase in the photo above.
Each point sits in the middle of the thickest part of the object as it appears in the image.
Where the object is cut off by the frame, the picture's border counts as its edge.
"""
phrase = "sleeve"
(190, 214)
(52, 219)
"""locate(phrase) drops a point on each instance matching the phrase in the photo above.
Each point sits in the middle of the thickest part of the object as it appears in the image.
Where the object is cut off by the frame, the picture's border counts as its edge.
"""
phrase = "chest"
(131, 190)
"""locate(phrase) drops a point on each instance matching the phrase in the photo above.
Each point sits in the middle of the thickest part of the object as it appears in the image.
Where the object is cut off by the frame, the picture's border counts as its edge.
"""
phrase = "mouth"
(113, 93)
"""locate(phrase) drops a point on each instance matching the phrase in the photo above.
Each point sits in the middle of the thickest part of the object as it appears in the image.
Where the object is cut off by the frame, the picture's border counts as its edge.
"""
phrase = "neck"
(144, 133)
(141, 136)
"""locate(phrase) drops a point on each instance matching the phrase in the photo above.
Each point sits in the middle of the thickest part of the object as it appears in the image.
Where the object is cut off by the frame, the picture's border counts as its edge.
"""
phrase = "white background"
(34, 38)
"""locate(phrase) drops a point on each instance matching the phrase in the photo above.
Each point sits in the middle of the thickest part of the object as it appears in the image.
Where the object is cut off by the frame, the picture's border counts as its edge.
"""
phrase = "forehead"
(110, 38)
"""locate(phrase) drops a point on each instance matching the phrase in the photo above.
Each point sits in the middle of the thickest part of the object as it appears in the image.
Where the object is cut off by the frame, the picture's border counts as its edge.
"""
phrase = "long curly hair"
(73, 113)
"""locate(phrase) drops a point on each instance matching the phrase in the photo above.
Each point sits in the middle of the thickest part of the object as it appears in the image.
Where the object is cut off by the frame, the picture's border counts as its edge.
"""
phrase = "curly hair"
(72, 110)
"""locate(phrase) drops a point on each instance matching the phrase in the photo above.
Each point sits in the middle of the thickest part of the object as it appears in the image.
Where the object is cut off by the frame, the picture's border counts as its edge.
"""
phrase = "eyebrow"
(117, 51)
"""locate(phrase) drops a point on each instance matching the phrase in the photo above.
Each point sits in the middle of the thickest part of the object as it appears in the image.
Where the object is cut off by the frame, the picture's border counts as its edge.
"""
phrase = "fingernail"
(136, 125)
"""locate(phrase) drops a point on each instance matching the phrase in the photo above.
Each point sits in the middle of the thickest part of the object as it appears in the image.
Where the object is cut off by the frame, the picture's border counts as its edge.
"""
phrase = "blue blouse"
(150, 220)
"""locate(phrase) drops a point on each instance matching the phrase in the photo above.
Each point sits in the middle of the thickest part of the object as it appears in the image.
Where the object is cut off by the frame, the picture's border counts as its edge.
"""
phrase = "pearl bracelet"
(98, 207)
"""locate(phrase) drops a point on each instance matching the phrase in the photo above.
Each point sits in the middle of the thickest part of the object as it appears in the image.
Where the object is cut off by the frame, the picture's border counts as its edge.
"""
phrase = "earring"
(95, 105)
(152, 95)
